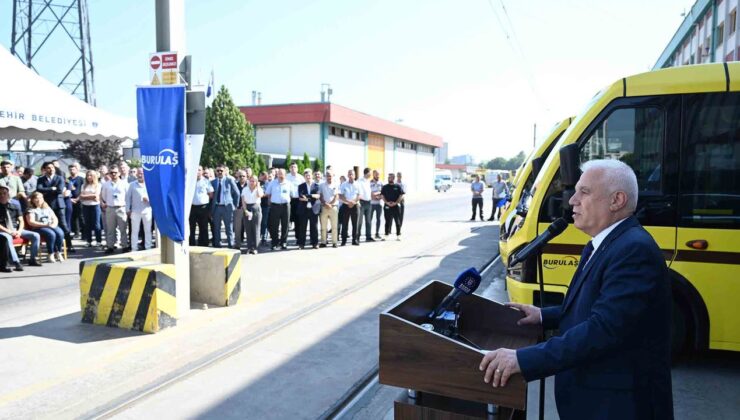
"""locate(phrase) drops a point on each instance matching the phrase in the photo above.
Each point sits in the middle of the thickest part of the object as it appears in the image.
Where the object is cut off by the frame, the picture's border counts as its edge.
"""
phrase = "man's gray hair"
(618, 176)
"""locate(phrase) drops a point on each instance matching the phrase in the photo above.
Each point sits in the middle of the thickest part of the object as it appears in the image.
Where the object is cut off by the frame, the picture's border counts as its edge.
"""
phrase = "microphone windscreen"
(558, 226)
(468, 281)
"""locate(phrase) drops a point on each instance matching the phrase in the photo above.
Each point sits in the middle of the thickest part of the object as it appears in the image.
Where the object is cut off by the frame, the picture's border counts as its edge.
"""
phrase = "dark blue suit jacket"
(53, 197)
(612, 357)
(303, 206)
(231, 193)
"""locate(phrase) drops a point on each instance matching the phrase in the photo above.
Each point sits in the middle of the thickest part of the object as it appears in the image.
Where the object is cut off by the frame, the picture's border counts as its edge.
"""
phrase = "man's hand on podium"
(532, 314)
(499, 365)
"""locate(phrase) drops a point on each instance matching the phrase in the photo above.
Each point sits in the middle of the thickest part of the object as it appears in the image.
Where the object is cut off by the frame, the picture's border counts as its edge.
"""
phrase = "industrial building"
(344, 138)
(708, 34)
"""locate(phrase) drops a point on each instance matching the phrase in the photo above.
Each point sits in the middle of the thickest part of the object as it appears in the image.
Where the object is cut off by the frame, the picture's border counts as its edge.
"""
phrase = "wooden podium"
(445, 372)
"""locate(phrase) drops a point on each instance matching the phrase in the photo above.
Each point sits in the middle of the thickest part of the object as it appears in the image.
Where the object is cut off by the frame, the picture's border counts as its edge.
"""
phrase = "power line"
(518, 51)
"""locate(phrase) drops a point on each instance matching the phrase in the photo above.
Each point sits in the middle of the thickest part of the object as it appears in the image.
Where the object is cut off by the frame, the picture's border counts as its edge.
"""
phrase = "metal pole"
(170, 17)
(534, 136)
(542, 306)
(30, 32)
(15, 23)
(82, 49)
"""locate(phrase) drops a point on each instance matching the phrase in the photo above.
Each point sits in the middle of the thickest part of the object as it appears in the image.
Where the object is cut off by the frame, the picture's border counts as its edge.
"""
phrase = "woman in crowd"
(251, 196)
(90, 199)
(41, 218)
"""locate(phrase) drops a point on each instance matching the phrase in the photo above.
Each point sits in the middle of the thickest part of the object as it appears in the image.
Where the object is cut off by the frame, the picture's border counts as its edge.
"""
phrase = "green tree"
(496, 163)
(260, 165)
(93, 154)
(318, 165)
(306, 164)
(288, 160)
(229, 136)
(516, 161)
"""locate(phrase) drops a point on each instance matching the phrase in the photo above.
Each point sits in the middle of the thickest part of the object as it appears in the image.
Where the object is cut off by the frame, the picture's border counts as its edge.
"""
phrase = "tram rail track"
(130, 399)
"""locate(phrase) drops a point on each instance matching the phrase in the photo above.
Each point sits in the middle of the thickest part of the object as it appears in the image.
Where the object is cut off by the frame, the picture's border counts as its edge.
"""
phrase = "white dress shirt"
(599, 238)
(135, 198)
(280, 193)
(349, 190)
(295, 180)
(252, 197)
(202, 188)
(114, 193)
(363, 186)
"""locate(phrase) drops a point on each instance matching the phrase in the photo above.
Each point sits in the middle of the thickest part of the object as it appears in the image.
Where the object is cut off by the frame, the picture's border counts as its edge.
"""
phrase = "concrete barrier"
(215, 276)
(129, 292)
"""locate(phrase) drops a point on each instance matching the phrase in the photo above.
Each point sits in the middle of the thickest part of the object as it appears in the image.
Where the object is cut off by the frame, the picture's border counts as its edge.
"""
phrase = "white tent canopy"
(31, 107)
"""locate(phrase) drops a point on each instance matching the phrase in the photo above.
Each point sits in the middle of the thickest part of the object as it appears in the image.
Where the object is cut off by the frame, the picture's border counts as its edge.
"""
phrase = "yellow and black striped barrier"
(215, 290)
(126, 293)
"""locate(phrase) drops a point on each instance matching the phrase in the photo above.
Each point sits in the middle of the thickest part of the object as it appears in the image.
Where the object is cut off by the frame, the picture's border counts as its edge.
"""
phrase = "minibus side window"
(634, 136)
(710, 161)
(634, 133)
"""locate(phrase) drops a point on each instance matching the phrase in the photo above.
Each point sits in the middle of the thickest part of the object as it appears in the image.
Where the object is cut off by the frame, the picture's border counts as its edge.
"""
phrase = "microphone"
(466, 283)
(556, 228)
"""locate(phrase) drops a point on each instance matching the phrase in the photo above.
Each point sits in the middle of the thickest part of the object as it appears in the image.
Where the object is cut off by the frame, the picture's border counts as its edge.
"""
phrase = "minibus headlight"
(525, 271)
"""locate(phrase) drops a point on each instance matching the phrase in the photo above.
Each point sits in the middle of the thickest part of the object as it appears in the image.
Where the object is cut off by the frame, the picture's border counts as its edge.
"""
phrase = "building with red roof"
(344, 138)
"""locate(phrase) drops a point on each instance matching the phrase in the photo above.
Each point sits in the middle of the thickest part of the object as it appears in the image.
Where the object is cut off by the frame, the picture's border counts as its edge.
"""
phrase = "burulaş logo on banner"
(161, 119)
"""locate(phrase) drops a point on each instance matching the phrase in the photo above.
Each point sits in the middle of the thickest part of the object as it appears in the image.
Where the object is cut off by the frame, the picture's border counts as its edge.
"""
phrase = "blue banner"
(160, 114)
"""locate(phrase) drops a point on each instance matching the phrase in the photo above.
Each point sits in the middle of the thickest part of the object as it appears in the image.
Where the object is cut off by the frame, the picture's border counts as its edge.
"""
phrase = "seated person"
(41, 218)
(11, 227)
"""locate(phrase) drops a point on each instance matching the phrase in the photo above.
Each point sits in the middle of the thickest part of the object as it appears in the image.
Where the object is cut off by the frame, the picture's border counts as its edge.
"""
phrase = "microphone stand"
(541, 273)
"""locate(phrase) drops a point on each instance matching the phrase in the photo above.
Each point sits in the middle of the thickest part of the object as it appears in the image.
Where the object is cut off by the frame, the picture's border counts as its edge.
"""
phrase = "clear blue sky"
(479, 73)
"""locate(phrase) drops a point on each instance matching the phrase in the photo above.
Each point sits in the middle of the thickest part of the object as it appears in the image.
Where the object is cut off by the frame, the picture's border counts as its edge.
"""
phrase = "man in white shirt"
(477, 187)
(377, 207)
(113, 202)
(349, 194)
(329, 195)
(280, 191)
(366, 207)
(199, 212)
(139, 210)
(295, 180)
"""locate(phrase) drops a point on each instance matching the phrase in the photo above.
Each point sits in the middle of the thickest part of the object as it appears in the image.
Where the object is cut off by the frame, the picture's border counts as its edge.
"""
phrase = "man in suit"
(225, 200)
(308, 211)
(52, 187)
(74, 215)
(611, 359)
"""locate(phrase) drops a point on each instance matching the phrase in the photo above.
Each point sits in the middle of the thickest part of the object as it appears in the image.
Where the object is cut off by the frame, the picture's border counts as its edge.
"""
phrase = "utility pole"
(534, 136)
(170, 29)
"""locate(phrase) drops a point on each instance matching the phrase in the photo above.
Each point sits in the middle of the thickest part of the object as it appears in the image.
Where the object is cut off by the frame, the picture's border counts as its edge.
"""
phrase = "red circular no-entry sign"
(155, 62)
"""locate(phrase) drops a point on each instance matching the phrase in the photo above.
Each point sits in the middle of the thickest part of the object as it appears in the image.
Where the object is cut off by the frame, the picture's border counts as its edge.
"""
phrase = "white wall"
(298, 138)
(406, 164)
(390, 163)
(424, 171)
(342, 154)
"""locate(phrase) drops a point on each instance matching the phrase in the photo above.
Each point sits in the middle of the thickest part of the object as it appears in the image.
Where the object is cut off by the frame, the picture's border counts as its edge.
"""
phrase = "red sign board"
(169, 61)
(155, 61)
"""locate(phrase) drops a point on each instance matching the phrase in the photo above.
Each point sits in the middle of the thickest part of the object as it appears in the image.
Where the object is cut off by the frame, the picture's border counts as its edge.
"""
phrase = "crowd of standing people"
(55, 207)
(253, 206)
(323, 209)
